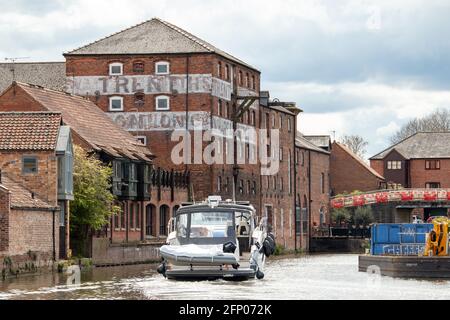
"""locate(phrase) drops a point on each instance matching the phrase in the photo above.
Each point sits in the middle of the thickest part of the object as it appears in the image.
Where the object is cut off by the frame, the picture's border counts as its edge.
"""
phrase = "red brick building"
(35, 186)
(155, 79)
(349, 173)
(145, 210)
(420, 161)
(313, 190)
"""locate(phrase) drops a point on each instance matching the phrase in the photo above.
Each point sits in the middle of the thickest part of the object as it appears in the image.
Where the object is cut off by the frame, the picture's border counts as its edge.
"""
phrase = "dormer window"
(116, 104)
(116, 69)
(138, 67)
(162, 67)
(162, 103)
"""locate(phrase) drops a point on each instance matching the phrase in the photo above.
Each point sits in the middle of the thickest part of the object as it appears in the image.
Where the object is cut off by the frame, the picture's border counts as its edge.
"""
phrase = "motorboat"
(216, 239)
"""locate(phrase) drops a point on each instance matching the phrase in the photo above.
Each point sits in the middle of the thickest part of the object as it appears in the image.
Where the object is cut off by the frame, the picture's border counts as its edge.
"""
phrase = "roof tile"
(29, 130)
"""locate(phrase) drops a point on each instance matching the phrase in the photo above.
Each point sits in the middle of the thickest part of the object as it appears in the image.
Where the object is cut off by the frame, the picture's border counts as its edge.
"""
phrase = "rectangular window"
(162, 103)
(227, 72)
(116, 104)
(394, 165)
(322, 182)
(116, 69)
(142, 139)
(254, 188)
(432, 185)
(241, 186)
(30, 165)
(162, 68)
(432, 165)
(289, 124)
(219, 69)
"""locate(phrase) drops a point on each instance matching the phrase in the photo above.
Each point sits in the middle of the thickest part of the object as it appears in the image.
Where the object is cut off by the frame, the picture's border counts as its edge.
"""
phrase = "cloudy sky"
(354, 67)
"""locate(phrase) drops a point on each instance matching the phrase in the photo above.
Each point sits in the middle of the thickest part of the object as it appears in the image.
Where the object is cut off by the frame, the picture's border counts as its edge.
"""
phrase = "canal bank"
(324, 276)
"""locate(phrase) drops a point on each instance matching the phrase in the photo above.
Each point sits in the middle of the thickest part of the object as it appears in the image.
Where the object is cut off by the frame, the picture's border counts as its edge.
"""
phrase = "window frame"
(142, 137)
(432, 164)
(158, 98)
(138, 70)
(116, 64)
(161, 63)
(111, 98)
(36, 160)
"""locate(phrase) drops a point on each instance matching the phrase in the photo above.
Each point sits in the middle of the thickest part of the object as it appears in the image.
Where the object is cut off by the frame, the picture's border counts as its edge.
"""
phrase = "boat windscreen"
(206, 227)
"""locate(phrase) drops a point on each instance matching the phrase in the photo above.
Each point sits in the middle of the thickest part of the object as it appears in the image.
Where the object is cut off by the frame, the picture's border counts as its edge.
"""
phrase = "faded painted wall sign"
(225, 127)
(149, 84)
(161, 121)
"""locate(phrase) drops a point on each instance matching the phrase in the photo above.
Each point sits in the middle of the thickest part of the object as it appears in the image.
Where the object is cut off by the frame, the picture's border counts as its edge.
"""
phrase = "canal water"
(309, 277)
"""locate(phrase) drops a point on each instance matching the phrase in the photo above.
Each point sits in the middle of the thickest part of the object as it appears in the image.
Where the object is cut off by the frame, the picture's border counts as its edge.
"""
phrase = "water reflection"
(309, 277)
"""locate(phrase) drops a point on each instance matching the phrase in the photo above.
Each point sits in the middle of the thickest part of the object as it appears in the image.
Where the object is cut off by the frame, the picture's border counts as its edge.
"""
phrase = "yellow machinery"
(437, 239)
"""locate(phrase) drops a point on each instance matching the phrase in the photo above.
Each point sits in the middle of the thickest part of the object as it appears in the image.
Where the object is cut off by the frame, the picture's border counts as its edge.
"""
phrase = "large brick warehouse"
(156, 78)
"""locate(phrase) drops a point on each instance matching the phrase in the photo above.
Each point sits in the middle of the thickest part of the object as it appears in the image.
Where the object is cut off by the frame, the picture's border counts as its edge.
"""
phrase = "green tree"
(363, 216)
(93, 205)
(341, 215)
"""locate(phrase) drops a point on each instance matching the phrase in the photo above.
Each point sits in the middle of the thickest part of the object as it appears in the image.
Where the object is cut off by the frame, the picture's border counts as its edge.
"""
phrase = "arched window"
(131, 217)
(138, 66)
(163, 220)
(219, 108)
(139, 99)
(150, 218)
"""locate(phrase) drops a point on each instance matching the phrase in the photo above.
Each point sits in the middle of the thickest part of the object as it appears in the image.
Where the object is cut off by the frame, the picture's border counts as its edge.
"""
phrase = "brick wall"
(276, 194)
(420, 176)
(4, 219)
(204, 177)
(44, 183)
(31, 230)
(347, 174)
(378, 166)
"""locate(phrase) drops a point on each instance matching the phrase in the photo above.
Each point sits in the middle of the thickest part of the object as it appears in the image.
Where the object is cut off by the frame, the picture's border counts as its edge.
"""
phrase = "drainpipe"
(294, 130)
(309, 197)
(54, 236)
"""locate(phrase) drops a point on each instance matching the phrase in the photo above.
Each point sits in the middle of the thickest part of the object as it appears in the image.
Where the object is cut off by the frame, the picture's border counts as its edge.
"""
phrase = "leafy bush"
(363, 216)
(341, 215)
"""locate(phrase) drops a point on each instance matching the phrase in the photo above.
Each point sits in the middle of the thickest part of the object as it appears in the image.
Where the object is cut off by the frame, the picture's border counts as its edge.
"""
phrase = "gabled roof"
(51, 75)
(29, 130)
(154, 36)
(421, 145)
(22, 198)
(301, 142)
(89, 122)
(358, 159)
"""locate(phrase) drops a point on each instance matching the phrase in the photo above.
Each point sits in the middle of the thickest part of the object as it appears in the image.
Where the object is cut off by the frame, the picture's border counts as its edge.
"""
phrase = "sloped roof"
(154, 36)
(302, 142)
(22, 198)
(320, 141)
(420, 146)
(89, 122)
(51, 75)
(358, 159)
(29, 130)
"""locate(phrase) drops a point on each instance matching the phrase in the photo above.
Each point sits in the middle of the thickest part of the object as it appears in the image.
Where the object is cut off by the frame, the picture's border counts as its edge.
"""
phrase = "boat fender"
(269, 246)
(162, 269)
(229, 247)
(259, 275)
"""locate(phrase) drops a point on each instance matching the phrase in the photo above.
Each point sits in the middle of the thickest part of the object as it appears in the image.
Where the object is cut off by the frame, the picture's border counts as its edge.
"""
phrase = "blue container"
(399, 239)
